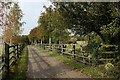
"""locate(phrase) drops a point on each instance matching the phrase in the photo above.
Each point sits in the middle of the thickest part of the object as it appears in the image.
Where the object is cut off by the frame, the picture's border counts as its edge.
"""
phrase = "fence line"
(78, 53)
(10, 58)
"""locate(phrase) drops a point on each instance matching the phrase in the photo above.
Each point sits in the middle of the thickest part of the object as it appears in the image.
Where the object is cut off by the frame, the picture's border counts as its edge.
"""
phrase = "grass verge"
(1, 48)
(22, 66)
(91, 71)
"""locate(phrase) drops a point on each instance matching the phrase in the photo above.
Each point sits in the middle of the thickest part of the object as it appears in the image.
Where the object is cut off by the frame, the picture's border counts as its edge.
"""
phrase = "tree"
(25, 39)
(5, 7)
(54, 25)
(87, 17)
(12, 23)
(32, 35)
(16, 39)
(35, 34)
(111, 32)
(45, 23)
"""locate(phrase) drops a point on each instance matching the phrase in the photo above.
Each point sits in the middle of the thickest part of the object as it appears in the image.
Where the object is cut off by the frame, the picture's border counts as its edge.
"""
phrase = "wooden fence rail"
(10, 58)
(78, 53)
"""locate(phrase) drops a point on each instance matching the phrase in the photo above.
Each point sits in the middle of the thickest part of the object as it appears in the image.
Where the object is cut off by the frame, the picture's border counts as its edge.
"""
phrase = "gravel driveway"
(41, 65)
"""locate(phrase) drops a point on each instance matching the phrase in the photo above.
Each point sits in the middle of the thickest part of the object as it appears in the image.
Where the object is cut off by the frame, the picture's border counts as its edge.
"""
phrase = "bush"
(94, 41)
(111, 70)
(109, 47)
(109, 67)
(118, 71)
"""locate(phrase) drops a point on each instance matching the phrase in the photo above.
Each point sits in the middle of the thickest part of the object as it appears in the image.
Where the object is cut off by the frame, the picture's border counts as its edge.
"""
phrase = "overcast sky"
(32, 10)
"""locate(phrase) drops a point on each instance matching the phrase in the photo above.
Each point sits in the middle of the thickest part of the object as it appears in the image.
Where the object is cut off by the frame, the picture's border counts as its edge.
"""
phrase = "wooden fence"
(10, 58)
(81, 54)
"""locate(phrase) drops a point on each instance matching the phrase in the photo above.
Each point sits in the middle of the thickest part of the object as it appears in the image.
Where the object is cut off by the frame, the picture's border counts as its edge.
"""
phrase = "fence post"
(43, 46)
(63, 48)
(21, 48)
(74, 51)
(7, 75)
(17, 52)
(60, 48)
(51, 47)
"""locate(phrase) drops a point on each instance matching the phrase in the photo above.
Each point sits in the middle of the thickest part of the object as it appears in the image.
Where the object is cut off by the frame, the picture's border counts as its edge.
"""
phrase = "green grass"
(22, 66)
(71, 47)
(91, 71)
(18, 71)
(1, 48)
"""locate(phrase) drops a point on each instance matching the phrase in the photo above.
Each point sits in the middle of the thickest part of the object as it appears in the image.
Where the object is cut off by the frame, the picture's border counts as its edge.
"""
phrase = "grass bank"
(22, 66)
(91, 71)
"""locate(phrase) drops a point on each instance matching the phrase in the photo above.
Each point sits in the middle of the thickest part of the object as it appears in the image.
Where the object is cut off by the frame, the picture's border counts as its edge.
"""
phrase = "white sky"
(32, 0)
(32, 10)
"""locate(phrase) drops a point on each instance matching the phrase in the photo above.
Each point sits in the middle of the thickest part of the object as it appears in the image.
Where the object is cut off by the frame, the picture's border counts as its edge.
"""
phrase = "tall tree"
(36, 34)
(5, 7)
(54, 25)
(13, 23)
(87, 17)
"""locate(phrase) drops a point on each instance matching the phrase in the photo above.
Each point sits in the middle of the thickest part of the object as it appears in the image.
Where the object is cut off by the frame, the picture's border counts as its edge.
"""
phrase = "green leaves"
(111, 30)
(83, 18)
(54, 25)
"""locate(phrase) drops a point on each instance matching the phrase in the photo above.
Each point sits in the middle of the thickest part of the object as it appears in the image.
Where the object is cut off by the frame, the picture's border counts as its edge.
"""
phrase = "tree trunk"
(50, 41)
(41, 41)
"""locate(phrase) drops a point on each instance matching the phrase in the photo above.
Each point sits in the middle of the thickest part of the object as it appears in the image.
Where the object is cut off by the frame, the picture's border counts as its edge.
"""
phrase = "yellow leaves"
(7, 35)
(39, 34)
(10, 38)
(16, 39)
(12, 23)
(36, 34)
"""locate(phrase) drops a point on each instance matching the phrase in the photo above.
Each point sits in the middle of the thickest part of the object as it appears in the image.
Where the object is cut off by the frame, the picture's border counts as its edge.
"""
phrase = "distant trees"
(10, 21)
(25, 39)
(36, 35)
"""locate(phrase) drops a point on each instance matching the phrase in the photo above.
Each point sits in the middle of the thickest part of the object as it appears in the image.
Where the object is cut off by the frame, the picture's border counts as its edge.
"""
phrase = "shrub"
(110, 69)
(109, 66)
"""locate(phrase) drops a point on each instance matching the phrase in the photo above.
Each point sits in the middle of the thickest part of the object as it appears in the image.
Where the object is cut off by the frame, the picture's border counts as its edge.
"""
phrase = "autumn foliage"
(10, 21)
(36, 34)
